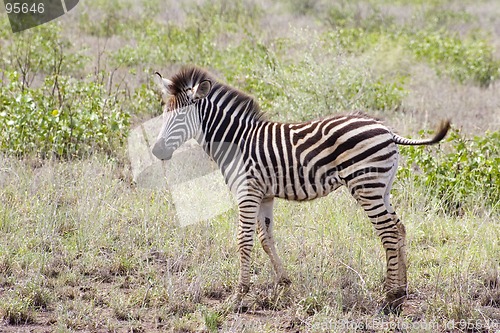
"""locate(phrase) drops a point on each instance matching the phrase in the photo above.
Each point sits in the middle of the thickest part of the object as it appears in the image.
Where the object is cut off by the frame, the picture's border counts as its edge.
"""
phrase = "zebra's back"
(304, 161)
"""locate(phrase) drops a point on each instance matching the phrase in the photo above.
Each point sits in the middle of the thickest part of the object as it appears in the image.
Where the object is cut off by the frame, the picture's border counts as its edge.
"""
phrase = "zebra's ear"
(163, 84)
(202, 89)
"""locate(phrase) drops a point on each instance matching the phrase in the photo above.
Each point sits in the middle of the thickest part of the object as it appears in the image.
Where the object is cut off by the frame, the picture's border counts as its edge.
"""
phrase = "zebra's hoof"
(238, 305)
(394, 302)
(242, 307)
(235, 303)
(284, 282)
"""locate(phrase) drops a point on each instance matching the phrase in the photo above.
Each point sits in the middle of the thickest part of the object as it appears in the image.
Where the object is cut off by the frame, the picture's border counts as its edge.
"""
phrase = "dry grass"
(83, 250)
(470, 108)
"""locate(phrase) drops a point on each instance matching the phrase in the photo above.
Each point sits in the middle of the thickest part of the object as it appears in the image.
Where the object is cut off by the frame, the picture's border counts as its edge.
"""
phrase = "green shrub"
(441, 16)
(45, 112)
(322, 81)
(368, 17)
(464, 60)
(109, 19)
(64, 118)
(358, 40)
(144, 104)
(466, 174)
(39, 52)
(428, 36)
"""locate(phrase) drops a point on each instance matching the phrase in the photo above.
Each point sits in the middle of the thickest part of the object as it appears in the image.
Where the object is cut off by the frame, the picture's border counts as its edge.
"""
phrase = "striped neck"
(228, 117)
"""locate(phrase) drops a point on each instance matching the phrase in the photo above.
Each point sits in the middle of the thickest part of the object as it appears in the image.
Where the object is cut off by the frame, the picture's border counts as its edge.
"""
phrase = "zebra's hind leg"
(265, 231)
(393, 236)
(396, 293)
(396, 281)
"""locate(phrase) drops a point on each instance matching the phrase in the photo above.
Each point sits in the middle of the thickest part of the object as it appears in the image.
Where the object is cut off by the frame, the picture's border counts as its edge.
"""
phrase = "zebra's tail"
(440, 134)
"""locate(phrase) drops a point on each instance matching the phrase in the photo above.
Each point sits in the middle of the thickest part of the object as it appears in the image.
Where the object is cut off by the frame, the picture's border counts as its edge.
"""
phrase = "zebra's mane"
(190, 76)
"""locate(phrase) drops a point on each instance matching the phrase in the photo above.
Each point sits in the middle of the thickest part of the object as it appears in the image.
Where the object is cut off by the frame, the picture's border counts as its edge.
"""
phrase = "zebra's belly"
(303, 188)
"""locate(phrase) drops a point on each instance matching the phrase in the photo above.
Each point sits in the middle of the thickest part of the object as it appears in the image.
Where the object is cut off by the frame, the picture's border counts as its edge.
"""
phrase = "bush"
(470, 60)
(466, 174)
(64, 118)
(39, 52)
(111, 19)
(323, 80)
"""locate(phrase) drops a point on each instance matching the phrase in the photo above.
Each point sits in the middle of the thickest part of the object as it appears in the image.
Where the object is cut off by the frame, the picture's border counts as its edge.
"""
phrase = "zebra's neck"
(228, 121)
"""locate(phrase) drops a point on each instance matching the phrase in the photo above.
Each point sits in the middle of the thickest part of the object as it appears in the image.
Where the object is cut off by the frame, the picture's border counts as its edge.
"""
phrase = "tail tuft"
(443, 129)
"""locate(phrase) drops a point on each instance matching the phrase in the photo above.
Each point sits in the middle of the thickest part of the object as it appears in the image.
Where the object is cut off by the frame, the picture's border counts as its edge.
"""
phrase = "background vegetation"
(83, 249)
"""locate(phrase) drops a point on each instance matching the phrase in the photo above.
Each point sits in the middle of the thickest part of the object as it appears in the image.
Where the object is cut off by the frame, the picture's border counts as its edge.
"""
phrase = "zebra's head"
(181, 121)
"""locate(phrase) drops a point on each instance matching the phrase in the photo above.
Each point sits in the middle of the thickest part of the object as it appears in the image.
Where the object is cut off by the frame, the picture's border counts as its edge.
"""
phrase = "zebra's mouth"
(162, 151)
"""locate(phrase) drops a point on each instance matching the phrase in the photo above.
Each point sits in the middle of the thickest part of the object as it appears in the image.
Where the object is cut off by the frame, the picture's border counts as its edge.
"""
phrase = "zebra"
(262, 160)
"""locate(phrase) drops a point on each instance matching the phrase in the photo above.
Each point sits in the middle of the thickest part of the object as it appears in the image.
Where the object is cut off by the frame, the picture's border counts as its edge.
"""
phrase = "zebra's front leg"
(248, 211)
(265, 231)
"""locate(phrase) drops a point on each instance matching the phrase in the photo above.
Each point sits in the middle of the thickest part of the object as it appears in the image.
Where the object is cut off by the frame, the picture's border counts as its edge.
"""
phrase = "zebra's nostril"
(161, 151)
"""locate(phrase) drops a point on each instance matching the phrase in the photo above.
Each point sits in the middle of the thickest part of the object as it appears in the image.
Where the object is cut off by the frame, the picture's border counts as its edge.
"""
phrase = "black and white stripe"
(261, 160)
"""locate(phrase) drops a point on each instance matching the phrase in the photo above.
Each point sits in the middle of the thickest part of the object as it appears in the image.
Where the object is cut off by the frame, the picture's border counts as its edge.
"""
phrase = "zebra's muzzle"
(162, 151)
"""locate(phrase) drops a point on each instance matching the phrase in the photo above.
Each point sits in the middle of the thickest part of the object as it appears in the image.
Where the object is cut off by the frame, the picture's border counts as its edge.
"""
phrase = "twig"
(363, 283)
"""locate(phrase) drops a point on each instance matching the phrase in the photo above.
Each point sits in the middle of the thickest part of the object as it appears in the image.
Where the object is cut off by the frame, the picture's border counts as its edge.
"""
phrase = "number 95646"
(24, 8)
